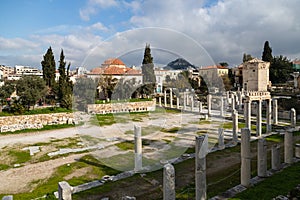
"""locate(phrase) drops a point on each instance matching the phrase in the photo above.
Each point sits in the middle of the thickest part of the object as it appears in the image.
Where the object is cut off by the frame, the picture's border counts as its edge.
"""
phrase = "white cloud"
(93, 7)
(230, 28)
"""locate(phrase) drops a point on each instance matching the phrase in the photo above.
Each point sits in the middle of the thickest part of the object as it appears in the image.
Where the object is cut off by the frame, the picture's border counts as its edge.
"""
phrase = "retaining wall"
(141, 106)
(20, 122)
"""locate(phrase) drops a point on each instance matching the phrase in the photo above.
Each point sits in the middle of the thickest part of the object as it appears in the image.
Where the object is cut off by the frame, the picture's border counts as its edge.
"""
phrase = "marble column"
(221, 144)
(138, 157)
(64, 191)
(275, 111)
(276, 157)
(245, 157)
(262, 157)
(221, 107)
(200, 107)
(171, 98)
(235, 126)
(192, 103)
(293, 117)
(269, 116)
(232, 102)
(288, 147)
(248, 114)
(209, 104)
(169, 182)
(177, 102)
(184, 100)
(159, 101)
(165, 98)
(258, 118)
(200, 168)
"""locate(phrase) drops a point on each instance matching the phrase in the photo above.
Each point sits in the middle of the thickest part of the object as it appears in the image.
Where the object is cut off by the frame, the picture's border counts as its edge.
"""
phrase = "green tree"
(224, 64)
(149, 79)
(280, 69)
(247, 57)
(106, 85)
(7, 89)
(267, 53)
(84, 93)
(30, 89)
(64, 93)
(48, 67)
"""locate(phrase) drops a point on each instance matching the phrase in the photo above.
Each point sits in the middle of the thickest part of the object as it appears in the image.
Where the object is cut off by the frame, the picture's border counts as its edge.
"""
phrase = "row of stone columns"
(262, 155)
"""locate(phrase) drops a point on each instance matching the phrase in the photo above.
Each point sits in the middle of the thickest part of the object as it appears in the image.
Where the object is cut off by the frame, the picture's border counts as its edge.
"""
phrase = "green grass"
(39, 111)
(50, 185)
(125, 145)
(274, 185)
(19, 156)
(171, 130)
(4, 167)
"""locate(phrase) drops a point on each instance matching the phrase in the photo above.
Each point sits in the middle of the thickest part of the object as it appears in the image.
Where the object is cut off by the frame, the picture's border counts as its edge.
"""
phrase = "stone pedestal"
(169, 182)
(275, 112)
(293, 117)
(297, 150)
(235, 124)
(269, 116)
(64, 191)
(275, 157)
(138, 157)
(200, 168)
(258, 119)
(245, 157)
(221, 144)
(288, 147)
(262, 157)
(209, 104)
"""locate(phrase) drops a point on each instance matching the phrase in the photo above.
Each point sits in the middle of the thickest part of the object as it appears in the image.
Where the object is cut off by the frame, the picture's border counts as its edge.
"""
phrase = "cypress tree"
(267, 53)
(48, 67)
(148, 66)
(62, 77)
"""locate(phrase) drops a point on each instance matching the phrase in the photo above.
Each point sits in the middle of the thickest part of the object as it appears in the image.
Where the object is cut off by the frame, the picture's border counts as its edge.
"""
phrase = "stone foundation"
(141, 106)
(21, 122)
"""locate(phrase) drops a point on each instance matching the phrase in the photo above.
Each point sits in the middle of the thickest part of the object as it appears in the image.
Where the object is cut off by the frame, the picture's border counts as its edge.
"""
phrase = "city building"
(256, 75)
(296, 65)
(116, 69)
(238, 76)
(212, 72)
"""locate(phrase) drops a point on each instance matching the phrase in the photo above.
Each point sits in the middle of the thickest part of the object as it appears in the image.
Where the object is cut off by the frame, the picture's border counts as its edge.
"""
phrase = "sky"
(204, 32)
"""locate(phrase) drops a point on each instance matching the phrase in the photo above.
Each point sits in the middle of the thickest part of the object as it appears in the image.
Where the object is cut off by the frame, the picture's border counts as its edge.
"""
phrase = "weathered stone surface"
(288, 147)
(245, 157)
(276, 157)
(122, 107)
(8, 197)
(262, 157)
(138, 148)
(64, 191)
(20, 122)
(169, 182)
(201, 149)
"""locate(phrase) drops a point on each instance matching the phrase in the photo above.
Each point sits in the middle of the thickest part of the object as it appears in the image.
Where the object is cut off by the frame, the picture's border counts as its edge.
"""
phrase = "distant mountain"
(179, 63)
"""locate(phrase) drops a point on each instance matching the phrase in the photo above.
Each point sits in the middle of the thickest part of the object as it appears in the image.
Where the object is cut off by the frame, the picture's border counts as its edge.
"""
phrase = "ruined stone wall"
(20, 122)
(141, 106)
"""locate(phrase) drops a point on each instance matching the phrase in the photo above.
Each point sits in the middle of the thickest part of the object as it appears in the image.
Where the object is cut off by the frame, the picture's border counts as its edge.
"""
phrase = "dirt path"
(17, 180)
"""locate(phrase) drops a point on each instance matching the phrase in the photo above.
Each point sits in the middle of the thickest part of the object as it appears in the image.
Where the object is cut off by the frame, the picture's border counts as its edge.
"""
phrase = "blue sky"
(202, 31)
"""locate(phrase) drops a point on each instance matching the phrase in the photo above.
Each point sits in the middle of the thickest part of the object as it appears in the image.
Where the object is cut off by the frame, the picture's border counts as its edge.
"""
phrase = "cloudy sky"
(202, 31)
